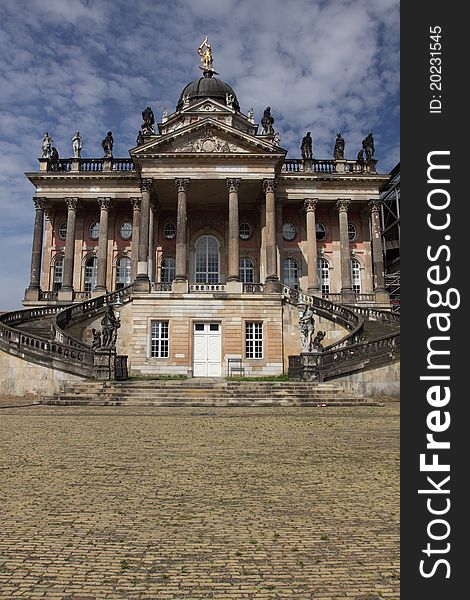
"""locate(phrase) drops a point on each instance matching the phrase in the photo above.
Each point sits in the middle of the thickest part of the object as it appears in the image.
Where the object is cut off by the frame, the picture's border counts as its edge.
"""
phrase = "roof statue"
(205, 52)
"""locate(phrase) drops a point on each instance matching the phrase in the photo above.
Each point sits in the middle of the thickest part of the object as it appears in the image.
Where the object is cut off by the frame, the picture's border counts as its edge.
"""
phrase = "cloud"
(93, 65)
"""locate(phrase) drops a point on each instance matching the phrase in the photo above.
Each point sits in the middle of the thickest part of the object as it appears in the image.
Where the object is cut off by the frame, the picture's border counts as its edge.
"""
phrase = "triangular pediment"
(206, 136)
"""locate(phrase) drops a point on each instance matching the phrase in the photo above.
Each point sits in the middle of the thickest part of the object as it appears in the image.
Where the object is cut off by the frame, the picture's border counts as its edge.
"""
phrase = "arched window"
(247, 270)
(168, 270)
(356, 275)
(123, 272)
(58, 275)
(291, 273)
(207, 260)
(91, 274)
(323, 273)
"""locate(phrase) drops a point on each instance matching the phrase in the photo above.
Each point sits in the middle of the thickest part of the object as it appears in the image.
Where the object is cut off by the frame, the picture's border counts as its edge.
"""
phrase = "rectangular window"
(254, 339)
(159, 340)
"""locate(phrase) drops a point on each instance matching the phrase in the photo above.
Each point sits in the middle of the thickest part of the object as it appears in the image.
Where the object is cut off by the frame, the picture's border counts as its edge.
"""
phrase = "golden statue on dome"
(205, 52)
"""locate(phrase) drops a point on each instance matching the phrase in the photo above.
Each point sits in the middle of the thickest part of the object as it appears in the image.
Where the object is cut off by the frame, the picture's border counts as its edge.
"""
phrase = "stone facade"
(207, 219)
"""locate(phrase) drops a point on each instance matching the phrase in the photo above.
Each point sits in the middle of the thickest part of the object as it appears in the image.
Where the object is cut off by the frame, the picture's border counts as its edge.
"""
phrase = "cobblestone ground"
(134, 503)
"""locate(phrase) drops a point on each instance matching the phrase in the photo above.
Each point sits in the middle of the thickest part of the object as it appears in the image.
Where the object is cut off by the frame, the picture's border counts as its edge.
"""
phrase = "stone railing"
(320, 366)
(87, 165)
(326, 165)
(207, 287)
(158, 286)
(91, 164)
(350, 351)
(48, 296)
(60, 350)
(253, 288)
(53, 353)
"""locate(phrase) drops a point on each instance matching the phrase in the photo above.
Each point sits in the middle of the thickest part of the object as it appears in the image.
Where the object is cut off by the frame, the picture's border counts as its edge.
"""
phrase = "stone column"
(153, 229)
(279, 238)
(142, 282)
(136, 207)
(234, 230)
(104, 204)
(181, 279)
(346, 285)
(377, 252)
(32, 292)
(272, 283)
(66, 292)
(310, 205)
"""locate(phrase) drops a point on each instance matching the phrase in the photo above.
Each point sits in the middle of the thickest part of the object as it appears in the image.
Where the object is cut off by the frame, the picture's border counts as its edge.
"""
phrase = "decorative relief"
(182, 184)
(209, 142)
(342, 205)
(232, 184)
(310, 204)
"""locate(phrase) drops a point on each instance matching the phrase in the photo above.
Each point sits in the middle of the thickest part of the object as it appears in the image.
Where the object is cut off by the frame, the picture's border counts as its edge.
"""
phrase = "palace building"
(209, 229)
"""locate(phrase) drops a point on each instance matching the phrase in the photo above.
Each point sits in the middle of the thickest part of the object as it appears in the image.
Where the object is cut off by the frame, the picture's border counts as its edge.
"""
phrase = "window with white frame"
(91, 274)
(245, 231)
(126, 230)
(123, 272)
(58, 276)
(94, 230)
(62, 230)
(254, 339)
(168, 269)
(247, 270)
(291, 273)
(356, 275)
(207, 259)
(159, 342)
(323, 272)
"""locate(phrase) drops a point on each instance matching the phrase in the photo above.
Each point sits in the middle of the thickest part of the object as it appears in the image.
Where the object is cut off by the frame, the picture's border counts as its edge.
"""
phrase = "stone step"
(221, 403)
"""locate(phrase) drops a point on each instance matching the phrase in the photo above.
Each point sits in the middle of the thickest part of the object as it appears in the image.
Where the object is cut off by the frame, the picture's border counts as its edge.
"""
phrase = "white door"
(207, 350)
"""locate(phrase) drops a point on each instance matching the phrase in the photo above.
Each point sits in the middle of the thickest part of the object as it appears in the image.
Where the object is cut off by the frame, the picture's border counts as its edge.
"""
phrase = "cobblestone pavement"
(134, 503)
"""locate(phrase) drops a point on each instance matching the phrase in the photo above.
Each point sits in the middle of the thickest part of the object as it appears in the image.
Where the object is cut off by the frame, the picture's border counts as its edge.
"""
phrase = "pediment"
(206, 136)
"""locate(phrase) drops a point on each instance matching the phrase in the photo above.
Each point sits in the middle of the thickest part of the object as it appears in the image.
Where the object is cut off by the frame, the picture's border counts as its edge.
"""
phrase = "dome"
(207, 87)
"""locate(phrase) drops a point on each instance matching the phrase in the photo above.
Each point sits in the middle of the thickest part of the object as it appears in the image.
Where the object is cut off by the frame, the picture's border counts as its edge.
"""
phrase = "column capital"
(182, 184)
(310, 204)
(374, 205)
(136, 203)
(49, 212)
(104, 203)
(40, 203)
(233, 184)
(146, 184)
(269, 185)
(342, 204)
(72, 203)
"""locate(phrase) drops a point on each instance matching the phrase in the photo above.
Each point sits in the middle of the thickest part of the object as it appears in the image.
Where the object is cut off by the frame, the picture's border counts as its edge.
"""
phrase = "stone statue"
(360, 157)
(317, 340)
(140, 139)
(338, 152)
(77, 144)
(229, 100)
(165, 115)
(46, 146)
(205, 52)
(306, 146)
(107, 145)
(96, 342)
(368, 147)
(307, 327)
(251, 115)
(267, 122)
(109, 325)
(149, 120)
(277, 139)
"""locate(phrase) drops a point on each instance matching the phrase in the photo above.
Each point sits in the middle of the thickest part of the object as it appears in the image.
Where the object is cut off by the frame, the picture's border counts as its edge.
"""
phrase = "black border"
(423, 132)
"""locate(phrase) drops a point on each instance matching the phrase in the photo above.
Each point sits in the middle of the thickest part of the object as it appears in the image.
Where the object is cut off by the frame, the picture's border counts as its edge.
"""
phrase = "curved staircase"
(40, 336)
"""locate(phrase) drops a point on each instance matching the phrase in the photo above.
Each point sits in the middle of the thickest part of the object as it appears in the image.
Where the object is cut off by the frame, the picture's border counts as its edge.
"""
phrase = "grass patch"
(263, 378)
(156, 377)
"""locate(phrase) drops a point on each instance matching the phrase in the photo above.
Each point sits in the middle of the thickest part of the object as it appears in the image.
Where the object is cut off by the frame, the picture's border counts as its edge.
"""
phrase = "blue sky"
(321, 65)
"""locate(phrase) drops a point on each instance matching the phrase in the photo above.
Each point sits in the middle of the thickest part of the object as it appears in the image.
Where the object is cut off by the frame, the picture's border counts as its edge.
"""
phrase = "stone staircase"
(207, 393)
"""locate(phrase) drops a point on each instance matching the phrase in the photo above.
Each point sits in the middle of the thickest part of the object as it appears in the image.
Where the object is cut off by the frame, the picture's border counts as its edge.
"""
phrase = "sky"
(324, 66)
